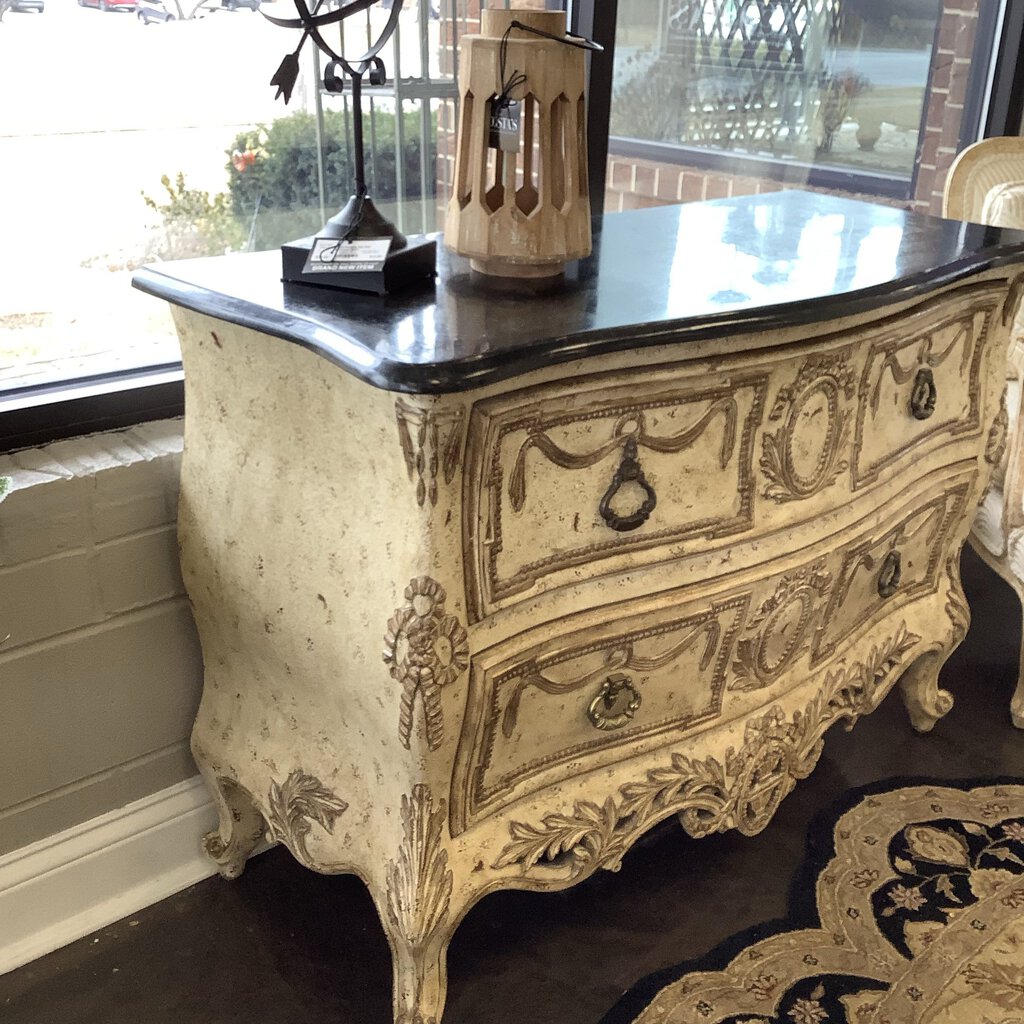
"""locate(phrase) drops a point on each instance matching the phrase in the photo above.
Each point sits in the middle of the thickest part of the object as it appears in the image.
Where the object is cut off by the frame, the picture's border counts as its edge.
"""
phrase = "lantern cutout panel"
(521, 213)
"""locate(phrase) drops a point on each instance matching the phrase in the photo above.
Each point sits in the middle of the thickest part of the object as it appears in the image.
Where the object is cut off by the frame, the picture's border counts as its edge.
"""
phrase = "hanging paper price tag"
(504, 127)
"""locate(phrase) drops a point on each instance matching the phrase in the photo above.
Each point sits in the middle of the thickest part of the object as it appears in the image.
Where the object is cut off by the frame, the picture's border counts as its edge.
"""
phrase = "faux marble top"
(669, 274)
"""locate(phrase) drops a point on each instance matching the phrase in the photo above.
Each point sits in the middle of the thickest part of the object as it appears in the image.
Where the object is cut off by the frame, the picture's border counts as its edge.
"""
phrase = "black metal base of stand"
(416, 261)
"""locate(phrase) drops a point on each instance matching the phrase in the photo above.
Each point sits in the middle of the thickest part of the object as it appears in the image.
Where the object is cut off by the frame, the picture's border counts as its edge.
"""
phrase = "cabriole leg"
(926, 703)
(240, 829)
(1017, 703)
(420, 978)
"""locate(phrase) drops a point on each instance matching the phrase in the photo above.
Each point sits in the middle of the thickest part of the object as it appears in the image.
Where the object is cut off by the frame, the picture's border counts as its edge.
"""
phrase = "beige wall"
(100, 675)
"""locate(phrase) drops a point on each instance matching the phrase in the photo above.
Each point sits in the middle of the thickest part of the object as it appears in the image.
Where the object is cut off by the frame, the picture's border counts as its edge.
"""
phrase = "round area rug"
(919, 917)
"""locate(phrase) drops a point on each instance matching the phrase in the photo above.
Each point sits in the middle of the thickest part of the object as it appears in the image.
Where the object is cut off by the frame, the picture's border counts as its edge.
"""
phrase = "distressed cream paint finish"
(430, 662)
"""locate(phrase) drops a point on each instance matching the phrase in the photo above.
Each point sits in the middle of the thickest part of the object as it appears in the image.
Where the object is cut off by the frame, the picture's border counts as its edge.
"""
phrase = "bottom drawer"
(564, 699)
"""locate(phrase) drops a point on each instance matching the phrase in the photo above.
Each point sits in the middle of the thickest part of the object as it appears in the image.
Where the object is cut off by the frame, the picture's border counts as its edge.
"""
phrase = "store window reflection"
(835, 83)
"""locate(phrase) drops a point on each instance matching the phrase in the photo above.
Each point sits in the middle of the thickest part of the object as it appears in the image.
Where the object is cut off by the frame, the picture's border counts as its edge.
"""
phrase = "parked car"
(28, 5)
(154, 10)
(234, 5)
(109, 5)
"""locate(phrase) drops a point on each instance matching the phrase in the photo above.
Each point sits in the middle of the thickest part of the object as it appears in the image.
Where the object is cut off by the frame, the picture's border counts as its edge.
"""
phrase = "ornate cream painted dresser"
(490, 582)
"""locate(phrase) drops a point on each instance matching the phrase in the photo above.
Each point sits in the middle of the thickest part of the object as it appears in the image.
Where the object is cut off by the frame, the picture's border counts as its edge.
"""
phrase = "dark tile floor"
(285, 946)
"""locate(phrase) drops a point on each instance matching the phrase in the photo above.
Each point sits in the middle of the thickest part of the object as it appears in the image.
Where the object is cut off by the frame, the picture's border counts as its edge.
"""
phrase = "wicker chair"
(986, 185)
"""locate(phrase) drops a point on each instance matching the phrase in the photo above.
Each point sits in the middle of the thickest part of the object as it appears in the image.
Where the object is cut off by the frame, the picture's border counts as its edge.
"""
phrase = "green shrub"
(194, 223)
(272, 171)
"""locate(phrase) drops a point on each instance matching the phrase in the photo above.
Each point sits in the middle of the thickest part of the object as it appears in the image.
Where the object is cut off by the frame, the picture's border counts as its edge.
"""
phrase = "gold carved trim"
(943, 513)
(957, 609)
(419, 879)
(995, 446)
(960, 309)
(831, 377)
(622, 656)
(425, 649)
(1014, 297)
(630, 426)
(431, 441)
(295, 805)
(805, 588)
(483, 539)
(708, 796)
(475, 795)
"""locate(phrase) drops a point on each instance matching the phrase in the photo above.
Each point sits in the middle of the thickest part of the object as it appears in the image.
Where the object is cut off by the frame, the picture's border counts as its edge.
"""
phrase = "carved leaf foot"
(240, 830)
(926, 703)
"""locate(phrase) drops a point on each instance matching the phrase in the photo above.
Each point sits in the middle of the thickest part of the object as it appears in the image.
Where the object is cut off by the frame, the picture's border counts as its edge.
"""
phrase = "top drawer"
(609, 472)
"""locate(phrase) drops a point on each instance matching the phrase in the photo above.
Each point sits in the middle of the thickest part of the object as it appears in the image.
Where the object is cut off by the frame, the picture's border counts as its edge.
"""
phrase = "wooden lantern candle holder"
(524, 213)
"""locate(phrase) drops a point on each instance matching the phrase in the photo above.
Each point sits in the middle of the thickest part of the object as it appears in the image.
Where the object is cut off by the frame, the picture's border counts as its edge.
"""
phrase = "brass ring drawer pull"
(616, 704)
(889, 574)
(923, 395)
(629, 471)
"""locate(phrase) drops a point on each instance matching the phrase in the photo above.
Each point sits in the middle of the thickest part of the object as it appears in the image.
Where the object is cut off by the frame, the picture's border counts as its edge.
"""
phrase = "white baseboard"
(68, 885)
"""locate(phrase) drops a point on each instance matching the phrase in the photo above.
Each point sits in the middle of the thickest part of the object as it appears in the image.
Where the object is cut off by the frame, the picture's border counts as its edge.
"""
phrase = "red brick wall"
(950, 70)
(633, 184)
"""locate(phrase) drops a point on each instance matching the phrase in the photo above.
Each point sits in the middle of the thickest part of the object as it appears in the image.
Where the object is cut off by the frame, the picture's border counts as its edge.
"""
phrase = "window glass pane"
(831, 84)
(164, 89)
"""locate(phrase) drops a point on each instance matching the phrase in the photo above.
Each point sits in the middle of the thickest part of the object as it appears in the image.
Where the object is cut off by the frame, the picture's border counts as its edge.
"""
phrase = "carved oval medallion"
(784, 633)
(805, 453)
(812, 436)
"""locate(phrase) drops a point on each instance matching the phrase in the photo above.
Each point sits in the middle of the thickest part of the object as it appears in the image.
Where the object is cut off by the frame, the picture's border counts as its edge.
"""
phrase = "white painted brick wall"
(101, 674)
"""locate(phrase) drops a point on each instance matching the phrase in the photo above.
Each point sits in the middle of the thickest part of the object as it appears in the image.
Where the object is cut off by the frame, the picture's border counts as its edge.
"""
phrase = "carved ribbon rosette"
(425, 650)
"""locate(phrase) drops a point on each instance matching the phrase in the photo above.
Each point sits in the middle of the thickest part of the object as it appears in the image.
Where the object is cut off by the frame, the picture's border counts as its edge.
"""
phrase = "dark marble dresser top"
(671, 274)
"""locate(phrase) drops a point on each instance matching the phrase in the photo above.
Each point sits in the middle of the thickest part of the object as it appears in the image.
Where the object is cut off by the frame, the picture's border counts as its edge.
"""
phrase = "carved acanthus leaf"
(586, 837)
(419, 879)
(296, 804)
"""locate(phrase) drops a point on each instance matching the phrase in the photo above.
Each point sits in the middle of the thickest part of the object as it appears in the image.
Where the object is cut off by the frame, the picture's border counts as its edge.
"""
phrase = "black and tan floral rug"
(918, 917)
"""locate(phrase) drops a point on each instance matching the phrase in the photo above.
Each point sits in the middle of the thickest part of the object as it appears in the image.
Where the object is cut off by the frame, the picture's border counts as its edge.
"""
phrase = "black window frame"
(38, 414)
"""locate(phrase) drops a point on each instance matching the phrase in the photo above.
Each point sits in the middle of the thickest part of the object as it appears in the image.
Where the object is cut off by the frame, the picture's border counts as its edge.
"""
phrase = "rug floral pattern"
(921, 913)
